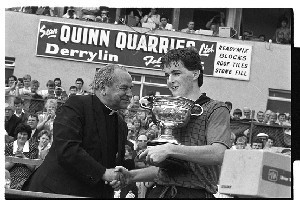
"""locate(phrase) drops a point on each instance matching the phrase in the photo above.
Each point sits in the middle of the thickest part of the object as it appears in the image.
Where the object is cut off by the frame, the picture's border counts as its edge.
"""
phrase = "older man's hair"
(105, 75)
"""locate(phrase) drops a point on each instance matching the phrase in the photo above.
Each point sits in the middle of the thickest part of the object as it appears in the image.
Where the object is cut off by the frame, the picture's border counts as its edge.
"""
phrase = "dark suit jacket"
(77, 158)
(11, 125)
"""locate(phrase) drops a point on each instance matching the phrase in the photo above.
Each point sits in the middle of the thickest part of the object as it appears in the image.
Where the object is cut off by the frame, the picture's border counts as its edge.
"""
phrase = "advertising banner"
(97, 44)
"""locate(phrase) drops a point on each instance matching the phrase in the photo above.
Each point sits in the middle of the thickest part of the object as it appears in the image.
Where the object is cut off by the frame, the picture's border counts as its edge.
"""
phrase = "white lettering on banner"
(84, 35)
(150, 60)
(205, 50)
(232, 61)
(150, 43)
(49, 32)
(54, 49)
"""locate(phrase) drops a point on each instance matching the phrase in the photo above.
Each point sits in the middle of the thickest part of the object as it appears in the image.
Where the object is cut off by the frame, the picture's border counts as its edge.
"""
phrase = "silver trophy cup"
(171, 112)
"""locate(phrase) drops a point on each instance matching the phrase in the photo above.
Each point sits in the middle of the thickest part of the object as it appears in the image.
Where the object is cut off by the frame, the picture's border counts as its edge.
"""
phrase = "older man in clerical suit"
(89, 140)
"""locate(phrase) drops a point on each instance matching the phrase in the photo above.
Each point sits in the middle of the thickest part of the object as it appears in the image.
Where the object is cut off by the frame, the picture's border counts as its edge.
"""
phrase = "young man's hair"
(188, 56)
(12, 76)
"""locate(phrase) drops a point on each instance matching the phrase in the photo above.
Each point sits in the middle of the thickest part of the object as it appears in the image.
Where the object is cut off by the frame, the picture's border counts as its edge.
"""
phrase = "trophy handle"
(197, 114)
(143, 104)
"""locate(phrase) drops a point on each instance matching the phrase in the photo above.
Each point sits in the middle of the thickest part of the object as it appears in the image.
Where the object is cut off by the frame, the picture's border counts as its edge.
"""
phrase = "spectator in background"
(151, 134)
(282, 119)
(44, 140)
(164, 25)
(12, 84)
(22, 148)
(257, 144)
(269, 143)
(57, 82)
(34, 86)
(70, 13)
(152, 18)
(19, 109)
(26, 89)
(190, 27)
(283, 32)
(32, 121)
(134, 103)
(104, 17)
(79, 83)
(263, 137)
(72, 90)
(45, 10)
(280, 39)
(241, 142)
(237, 114)
(133, 18)
(49, 92)
(216, 22)
(247, 114)
(267, 116)
(20, 83)
(260, 117)
(89, 13)
(137, 123)
(46, 118)
(232, 140)
(262, 38)
(11, 122)
(60, 94)
(247, 35)
(273, 119)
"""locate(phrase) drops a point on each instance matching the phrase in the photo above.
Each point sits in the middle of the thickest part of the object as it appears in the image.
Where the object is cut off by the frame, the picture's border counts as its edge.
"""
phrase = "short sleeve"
(218, 127)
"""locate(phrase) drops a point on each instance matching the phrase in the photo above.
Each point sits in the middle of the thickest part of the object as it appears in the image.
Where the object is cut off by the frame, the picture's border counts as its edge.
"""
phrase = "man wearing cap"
(263, 137)
(89, 139)
(11, 122)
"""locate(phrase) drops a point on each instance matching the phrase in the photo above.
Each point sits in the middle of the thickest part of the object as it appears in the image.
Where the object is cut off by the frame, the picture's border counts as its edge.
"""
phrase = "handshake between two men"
(119, 176)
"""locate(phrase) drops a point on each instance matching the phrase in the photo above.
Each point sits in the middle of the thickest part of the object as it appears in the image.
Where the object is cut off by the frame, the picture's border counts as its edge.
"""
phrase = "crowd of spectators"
(138, 17)
(33, 129)
(261, 140)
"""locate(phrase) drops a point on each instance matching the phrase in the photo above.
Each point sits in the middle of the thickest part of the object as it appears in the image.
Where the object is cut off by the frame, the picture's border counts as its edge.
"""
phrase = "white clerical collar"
(112, 111)
(25, 149)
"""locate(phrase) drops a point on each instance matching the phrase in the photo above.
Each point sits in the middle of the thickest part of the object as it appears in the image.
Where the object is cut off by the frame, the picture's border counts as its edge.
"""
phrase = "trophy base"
(169, 163)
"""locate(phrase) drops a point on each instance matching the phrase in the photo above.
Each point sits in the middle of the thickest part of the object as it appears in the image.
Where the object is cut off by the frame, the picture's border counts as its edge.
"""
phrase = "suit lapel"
(101, 127)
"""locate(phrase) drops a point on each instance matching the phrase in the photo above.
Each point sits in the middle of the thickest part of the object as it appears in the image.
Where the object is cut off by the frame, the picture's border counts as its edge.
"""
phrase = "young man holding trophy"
(202, 137)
